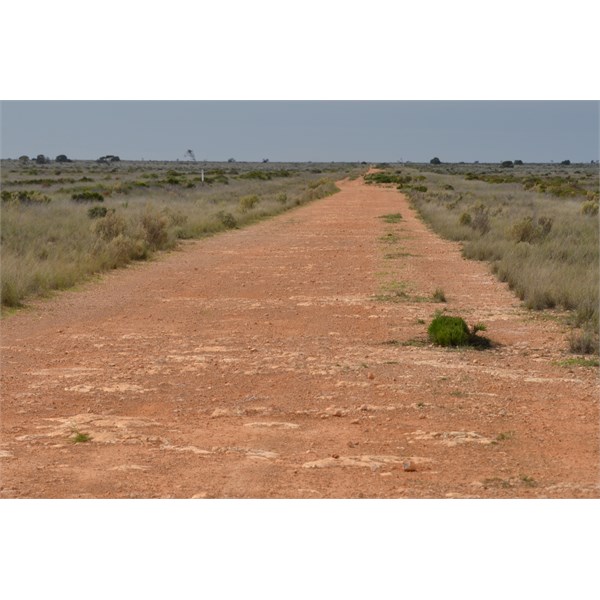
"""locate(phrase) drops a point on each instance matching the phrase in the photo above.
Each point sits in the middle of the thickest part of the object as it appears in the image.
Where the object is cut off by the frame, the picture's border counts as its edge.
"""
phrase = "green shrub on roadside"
(445, 330)
(449, 331)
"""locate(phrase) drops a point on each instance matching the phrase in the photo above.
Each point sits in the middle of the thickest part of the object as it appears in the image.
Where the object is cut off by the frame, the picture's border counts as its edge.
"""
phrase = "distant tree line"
(505, 164)
(42, 159)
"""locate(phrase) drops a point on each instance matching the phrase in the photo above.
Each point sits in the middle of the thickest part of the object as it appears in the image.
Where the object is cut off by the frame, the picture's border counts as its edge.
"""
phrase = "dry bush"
(248, 202)
(584, 342)
(110, 226)
(155, 228)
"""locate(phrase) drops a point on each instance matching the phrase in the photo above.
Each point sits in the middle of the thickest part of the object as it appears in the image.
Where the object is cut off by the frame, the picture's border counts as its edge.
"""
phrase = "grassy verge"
(60, 225)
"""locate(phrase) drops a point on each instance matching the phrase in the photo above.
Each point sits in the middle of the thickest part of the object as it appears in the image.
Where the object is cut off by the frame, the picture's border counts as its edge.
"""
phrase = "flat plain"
(290, 359)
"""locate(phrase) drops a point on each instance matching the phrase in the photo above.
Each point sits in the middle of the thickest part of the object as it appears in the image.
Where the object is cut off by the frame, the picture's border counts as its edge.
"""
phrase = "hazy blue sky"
(488, 131)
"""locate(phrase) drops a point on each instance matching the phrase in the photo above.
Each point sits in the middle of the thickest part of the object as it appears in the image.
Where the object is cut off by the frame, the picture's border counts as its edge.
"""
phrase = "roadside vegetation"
(62, 223)
(445, 330)
(537, 225)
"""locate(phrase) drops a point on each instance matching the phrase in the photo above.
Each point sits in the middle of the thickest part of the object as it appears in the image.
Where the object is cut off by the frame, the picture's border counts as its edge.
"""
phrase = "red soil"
(254, 365)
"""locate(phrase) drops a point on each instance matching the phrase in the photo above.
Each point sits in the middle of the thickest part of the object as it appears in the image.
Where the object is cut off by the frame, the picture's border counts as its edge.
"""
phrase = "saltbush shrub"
(97, 212)
(87, 196)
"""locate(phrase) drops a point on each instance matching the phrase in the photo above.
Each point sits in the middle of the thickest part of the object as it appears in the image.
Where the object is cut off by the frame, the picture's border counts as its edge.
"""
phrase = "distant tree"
(231, 160)
(62, 158)
(191, 155)
(507, 164)
(265, 160)
(476, 162)
(565, 162)
(25, 159)
(41, 159)
(109, 158)
(435, 161)
(518, 162)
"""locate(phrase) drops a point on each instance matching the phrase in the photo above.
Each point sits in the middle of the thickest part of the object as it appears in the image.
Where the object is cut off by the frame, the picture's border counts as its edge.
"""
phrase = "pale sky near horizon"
(289, 131)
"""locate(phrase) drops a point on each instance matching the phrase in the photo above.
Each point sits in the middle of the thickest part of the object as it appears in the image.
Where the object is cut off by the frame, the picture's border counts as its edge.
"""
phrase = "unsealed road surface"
(289, 360)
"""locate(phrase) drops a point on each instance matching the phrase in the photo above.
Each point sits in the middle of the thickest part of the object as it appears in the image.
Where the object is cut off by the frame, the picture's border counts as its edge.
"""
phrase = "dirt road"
(287, 360)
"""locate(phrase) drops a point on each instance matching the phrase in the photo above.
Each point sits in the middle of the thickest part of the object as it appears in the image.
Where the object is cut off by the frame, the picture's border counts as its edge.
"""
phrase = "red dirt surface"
(254, 364)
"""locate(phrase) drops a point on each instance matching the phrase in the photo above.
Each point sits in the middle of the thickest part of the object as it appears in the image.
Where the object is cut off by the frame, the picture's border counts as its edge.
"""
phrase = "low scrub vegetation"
(87, 197)
(96, 212)
(54, 237)
(543, 243)
(249, 202)
(24, 197)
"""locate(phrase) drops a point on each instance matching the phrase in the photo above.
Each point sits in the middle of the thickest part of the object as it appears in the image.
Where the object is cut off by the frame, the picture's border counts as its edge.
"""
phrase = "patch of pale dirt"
(290, 360)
